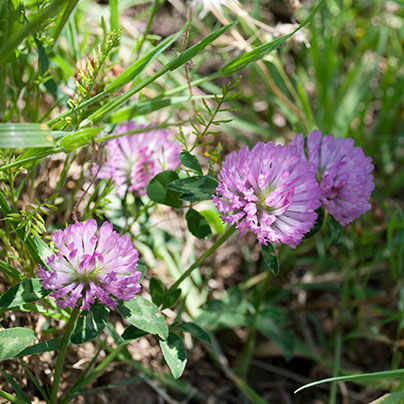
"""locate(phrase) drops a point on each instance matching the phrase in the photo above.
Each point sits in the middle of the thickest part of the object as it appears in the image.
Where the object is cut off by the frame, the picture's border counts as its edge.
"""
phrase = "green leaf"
(364, 377)
(43, 249)
(90, 323)
(27, 291)
(270, 325)
(393, 398)
(190, 161)
(175, 354)
(336, 230)
(146, 107)
(142, 269)
(212, 217)
(258, 53)
(172, 299)
(178, 61)
(270, 258)
(231, 311)
(24, 135)
(33, 25)
(194, 330)
(132, 333)
(197, 224)
(10, 271)
(144, 315)
(14, 340)
(156, 291)
(80, 138)
(46, 346)
(158, 191)
(196, 49)
(195, 189)
(136, 68)
(317, 224)
(16, 387)
(114, 15)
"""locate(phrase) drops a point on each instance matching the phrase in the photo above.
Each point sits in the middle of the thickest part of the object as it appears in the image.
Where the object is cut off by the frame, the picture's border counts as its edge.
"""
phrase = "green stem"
(62, 353)
(148, 26)
(336, 367)
(199, 261)
(34, 25)
(243, 363)
(11, 398)
(94, 374)
(340, 318)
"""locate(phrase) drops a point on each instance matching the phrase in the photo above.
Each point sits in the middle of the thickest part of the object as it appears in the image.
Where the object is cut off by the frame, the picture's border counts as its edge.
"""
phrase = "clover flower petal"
(269, 190)
(91, 264)
(343, 171)
(134, 160)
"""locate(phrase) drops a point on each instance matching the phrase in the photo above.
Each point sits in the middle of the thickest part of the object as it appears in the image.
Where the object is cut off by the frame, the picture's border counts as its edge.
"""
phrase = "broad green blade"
(24, 135)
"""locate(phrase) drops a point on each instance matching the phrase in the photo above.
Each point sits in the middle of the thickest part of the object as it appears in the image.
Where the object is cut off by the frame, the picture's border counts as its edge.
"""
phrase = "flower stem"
(199, 261)
(62, 353)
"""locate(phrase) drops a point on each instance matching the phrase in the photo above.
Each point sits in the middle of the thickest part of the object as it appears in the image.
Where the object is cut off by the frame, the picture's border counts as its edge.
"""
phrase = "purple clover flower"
(91, 263)
(269, 190)
(135, 159)
(343, 171)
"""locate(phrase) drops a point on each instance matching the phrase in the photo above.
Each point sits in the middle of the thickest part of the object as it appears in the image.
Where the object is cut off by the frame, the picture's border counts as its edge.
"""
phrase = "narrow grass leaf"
(364, 377)
(174, 353)
(33, 26)
(9, 270)
(14, 340)
(35, 381)
(102, 112)
(140, 108)
(197, 48)
(24, 135)
(114, 14)
(258, 53)
(136, 68)
(19, 391)
(46, 346)
(144, 315)
(77, 139)
(63, 20)
(393, 398)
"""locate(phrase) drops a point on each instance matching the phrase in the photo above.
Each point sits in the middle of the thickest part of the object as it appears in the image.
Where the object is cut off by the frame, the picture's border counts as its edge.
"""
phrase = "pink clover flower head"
(91, 264)
(343, 171)
(269, 190)
(135, 159)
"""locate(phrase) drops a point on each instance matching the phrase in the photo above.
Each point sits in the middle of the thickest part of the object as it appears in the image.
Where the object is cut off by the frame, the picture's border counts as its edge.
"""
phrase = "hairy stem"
(62, 353)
